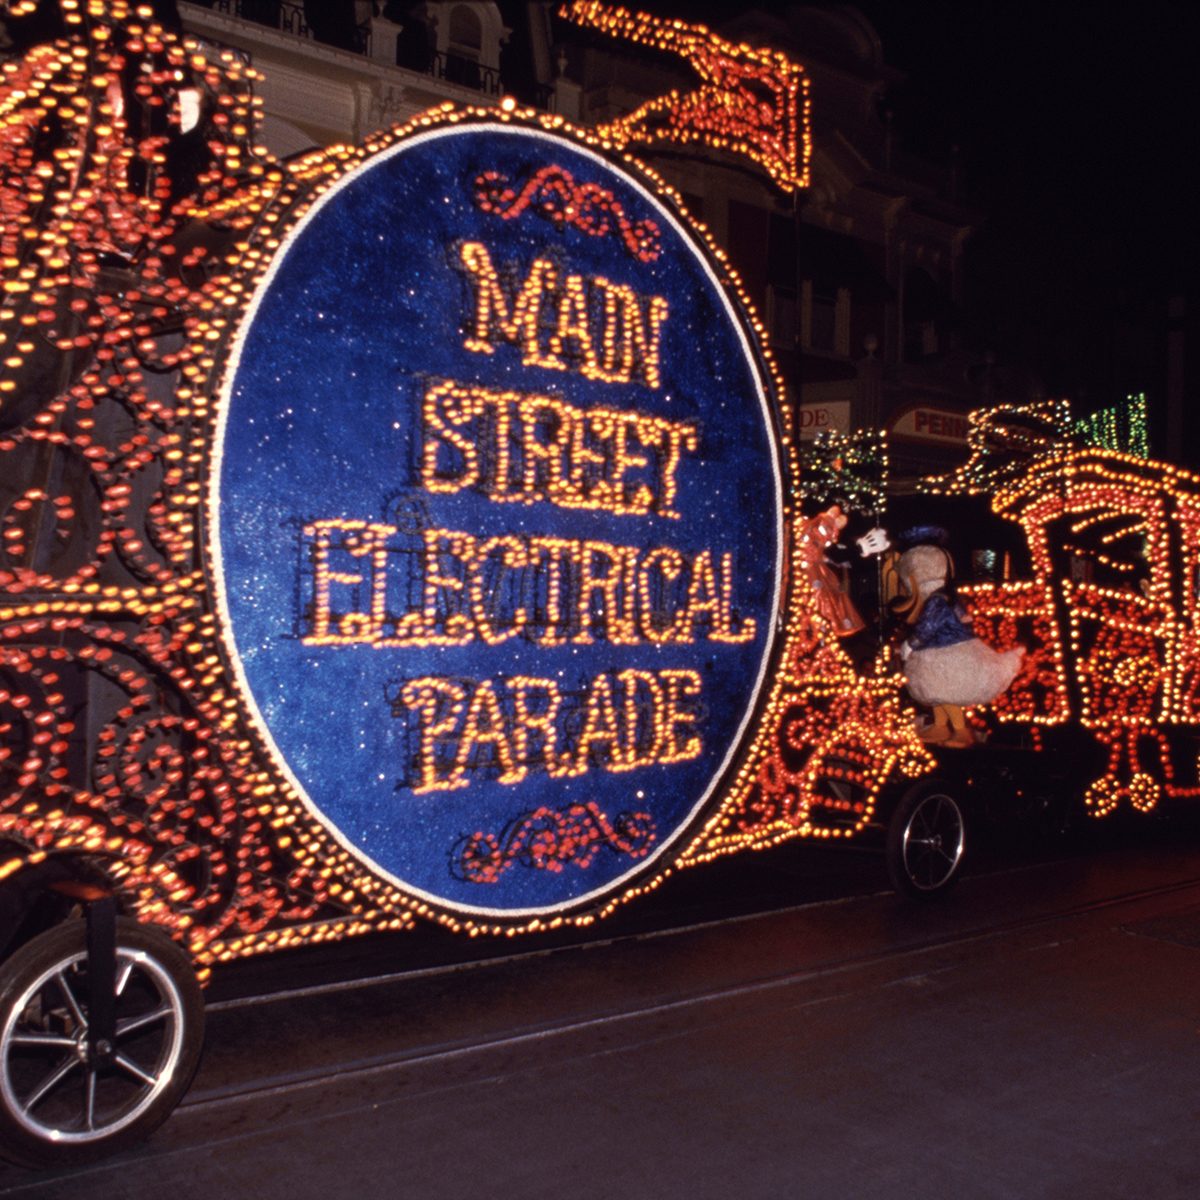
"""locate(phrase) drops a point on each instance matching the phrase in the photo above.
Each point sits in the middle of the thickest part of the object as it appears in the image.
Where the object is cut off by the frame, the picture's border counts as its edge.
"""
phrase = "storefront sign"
(497, 520)
(833, 416)
(925, 423)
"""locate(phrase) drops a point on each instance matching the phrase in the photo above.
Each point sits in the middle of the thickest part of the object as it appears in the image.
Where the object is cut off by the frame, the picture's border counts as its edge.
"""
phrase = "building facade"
(857, 278)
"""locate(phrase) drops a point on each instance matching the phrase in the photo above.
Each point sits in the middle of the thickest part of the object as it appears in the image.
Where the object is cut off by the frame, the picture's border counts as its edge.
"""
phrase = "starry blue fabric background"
(323, 421)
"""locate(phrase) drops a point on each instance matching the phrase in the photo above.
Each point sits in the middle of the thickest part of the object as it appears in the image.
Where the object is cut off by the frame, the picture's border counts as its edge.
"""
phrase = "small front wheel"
(61, 1102)
(926, 840)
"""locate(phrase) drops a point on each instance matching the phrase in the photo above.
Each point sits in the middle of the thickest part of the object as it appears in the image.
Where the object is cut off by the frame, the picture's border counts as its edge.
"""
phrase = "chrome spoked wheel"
(63, 1099)
(926, 841)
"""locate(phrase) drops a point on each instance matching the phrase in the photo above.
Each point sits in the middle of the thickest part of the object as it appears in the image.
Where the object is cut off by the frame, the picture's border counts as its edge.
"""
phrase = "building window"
(927, 312)
(457, 42)
(920, 340)
(823, 329)
(825, 318)
(782, 316)
(464, 48)
(466, 32)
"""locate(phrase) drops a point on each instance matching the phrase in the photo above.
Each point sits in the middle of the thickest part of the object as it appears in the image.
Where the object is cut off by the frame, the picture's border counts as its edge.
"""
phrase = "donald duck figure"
(945, 665)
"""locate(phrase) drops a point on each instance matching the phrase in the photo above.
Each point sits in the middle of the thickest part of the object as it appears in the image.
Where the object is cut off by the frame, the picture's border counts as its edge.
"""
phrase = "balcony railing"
(290, 17)
(465, 72)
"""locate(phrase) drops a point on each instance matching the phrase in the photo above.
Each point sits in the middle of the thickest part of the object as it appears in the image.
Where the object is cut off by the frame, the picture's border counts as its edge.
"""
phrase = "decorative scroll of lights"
(1004, 442)
(751, 102)
(847, 467)
(1123, 427)
(139, 217)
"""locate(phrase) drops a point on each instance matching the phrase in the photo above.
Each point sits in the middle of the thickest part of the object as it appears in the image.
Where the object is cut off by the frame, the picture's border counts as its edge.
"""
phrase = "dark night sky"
(1076, 125)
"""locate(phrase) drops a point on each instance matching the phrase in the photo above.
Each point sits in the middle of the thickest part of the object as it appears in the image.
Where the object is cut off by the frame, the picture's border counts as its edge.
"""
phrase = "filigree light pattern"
(131, 249)
(1110, 618)
(752, 102)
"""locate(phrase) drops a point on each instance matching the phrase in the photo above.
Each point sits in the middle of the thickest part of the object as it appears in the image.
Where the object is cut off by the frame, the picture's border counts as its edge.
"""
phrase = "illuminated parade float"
(413, 532)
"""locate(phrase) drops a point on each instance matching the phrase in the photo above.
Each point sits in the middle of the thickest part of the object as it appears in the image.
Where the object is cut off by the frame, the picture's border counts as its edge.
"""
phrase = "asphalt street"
(1036, 1034)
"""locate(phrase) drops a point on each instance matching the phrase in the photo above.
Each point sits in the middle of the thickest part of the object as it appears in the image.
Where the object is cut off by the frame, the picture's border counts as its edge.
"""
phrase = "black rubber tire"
(43, 1024)
(926, 840)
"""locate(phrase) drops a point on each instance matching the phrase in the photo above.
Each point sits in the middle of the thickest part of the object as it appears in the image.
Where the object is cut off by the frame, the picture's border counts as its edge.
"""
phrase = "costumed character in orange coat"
(832, 601)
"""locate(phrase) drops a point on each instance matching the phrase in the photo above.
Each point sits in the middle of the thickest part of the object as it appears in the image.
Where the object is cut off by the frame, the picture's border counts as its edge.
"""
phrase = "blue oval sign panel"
(497, 520)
